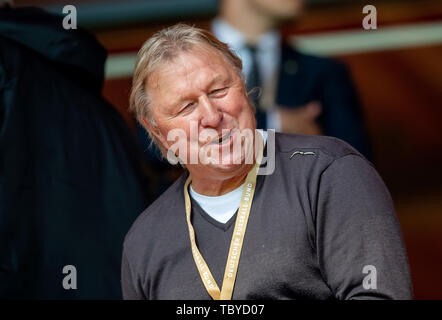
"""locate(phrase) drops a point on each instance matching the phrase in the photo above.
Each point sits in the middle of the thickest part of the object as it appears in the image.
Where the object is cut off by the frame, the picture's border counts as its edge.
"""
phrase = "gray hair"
(164, 46)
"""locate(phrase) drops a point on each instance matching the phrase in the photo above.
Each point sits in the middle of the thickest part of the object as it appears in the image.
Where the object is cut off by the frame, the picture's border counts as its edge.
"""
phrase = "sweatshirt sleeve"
(358, 238)
(127, 283)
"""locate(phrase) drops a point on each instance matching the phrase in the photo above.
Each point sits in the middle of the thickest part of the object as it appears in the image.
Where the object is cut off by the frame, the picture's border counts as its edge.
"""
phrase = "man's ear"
(155, 131)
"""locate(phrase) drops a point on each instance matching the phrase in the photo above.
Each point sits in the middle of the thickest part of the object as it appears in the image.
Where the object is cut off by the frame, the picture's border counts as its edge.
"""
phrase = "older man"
(320, 226)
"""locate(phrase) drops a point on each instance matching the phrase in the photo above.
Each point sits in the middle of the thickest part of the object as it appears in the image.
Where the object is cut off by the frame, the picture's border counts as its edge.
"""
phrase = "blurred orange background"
(400, 88)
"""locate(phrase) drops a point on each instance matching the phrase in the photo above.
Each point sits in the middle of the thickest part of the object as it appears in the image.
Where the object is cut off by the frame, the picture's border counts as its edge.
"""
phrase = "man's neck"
(217, 187)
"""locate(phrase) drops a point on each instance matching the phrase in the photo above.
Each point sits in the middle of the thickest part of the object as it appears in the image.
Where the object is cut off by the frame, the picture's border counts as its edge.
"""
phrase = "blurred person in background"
(71, 181)
(300, 93)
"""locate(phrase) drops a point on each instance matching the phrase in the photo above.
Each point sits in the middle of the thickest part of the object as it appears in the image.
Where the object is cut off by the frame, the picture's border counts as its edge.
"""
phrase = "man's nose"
(211, 116)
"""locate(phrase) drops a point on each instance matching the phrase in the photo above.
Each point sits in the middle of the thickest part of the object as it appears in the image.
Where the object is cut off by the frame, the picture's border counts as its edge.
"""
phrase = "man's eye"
(187, 106)
(218, 93)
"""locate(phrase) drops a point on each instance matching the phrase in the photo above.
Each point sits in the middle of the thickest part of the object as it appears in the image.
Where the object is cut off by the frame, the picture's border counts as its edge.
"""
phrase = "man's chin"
(229, 168)
(221, 168)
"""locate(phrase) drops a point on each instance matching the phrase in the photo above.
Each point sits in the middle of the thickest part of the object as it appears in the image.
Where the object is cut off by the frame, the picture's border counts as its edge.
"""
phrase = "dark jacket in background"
(305, 78)
(70, 178)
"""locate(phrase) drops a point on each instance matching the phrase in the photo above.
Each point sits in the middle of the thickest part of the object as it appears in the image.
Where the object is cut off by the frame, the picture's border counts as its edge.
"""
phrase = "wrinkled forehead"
(189, 64)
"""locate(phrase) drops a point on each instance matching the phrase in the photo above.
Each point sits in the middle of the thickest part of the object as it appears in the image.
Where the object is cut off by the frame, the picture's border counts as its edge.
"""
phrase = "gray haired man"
(321, 226)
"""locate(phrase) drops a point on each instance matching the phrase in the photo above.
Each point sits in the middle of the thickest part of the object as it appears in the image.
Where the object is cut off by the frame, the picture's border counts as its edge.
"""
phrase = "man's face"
(200, 90)
(279, 10)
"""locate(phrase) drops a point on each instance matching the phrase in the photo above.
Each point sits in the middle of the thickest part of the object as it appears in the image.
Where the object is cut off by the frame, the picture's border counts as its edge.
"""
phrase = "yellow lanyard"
(235, 245)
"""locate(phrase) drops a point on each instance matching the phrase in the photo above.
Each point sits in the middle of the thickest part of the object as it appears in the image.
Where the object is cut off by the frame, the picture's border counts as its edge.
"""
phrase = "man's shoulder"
(303, 159)
(330, 148)
(159, 213)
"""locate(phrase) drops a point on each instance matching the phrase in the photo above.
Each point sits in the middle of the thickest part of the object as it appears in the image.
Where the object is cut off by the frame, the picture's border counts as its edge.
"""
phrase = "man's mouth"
(221, 139)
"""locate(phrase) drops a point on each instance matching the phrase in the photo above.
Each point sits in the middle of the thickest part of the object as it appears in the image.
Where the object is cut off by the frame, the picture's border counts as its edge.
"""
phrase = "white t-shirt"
(220, 208)
(223, 207)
